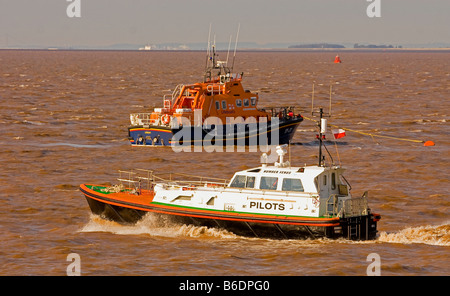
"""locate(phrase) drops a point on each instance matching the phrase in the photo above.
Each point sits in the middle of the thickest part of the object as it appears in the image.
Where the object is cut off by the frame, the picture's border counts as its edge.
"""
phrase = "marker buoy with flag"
(339, 133)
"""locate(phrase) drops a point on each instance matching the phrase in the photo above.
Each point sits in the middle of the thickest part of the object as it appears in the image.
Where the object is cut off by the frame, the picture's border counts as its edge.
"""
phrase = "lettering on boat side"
(277, 172)
(227, 111)
(267, 205)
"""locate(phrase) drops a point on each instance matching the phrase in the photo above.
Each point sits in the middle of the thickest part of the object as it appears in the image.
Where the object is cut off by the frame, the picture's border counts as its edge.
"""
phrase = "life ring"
(316, 202)
(140, 140)
(165, 119)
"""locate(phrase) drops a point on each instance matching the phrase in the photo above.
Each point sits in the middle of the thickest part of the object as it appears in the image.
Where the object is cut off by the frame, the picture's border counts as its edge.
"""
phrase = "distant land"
(241, 46)
(376, 46)
(317, 45)
(331, 45)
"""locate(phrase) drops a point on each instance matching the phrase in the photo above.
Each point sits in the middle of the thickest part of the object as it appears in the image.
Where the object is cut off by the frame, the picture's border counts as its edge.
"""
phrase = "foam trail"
(155, 225)
(430, 235)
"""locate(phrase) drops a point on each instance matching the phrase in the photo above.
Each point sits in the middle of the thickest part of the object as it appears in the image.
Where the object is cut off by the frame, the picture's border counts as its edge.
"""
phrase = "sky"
(104, 22)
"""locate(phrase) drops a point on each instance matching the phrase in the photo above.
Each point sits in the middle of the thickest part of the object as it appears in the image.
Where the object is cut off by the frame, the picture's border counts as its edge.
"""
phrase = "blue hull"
(238, 135)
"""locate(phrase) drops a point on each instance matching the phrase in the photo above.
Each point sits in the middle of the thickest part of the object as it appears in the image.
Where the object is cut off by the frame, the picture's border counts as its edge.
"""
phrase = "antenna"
(208, 53)
(214, 65)
(322, 124)
(312, 100)
(329, 111)
(235, 46)
(289, 149)
(228, 53)
(322, 128)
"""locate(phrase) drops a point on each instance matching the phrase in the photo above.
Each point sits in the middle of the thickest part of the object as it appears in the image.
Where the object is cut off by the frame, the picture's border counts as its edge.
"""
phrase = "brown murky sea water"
(63, 122)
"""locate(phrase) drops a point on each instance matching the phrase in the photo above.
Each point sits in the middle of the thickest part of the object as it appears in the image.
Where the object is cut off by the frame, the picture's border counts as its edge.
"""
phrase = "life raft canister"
(165, 119)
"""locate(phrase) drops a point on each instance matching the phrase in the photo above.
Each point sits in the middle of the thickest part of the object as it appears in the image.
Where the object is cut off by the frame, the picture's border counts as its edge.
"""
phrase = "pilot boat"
(278, 200)
(217, 111)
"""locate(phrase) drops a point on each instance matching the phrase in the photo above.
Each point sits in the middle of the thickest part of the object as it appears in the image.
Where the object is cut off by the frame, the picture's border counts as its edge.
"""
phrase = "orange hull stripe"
(207, 214)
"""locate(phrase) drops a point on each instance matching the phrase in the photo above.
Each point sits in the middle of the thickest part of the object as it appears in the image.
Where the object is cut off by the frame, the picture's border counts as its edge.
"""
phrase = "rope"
(425, 143)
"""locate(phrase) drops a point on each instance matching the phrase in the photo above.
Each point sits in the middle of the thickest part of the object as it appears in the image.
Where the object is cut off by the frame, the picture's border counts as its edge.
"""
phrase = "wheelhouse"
(312, 179)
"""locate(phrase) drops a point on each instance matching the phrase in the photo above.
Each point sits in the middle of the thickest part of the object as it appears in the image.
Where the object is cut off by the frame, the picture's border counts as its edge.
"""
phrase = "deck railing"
(352, 207)
(140, 118)
(356, 206)
(140, 178)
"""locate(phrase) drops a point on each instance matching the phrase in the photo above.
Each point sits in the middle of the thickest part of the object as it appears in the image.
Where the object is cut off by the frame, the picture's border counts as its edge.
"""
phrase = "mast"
(213, 64)
(322, 129)
(322, 124)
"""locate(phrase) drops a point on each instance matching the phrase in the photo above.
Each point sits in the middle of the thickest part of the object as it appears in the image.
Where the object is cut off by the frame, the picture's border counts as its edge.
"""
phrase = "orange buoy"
(337, 60)
(428, 143)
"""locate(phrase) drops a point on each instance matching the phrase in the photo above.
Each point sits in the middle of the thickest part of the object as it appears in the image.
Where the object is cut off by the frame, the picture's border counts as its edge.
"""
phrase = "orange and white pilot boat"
(217, 111)
(276, 200)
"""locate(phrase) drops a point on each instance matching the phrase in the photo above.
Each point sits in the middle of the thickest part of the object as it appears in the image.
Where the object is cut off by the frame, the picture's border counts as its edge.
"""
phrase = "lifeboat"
(216, 111)
(278, 200)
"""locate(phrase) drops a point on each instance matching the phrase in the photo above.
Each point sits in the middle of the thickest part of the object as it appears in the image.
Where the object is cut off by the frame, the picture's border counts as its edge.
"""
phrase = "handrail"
(281, 111)
(201, 177)
(140, 118)
(134, 178)
(355, 206)
(334, 204)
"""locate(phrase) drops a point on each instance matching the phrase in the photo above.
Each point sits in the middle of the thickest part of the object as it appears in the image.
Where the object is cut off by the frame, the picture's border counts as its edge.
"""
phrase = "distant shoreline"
(315, 50)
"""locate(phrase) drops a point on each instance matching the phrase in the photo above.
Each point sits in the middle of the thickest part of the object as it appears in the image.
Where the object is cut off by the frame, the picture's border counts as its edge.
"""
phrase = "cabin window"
(241, 181)
(253, 99)
(333, 181)
(217, 105)
(246, 102)
(269, 183)
(238, 182)
(324, 180)
(224, 105)
(250, 183)
(239, 103)
(292, 185)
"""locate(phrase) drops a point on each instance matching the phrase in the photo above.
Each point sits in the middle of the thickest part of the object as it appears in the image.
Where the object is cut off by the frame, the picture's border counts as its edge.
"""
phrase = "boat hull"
(127, 212)
(153, 135)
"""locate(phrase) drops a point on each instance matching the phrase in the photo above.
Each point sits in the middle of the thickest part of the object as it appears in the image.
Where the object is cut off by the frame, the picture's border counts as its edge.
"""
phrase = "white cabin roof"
(306, 174)
(268, 176)
(310, 171)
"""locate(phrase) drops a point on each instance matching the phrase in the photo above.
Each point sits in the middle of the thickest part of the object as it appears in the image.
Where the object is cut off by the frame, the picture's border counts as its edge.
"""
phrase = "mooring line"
(425, 143)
